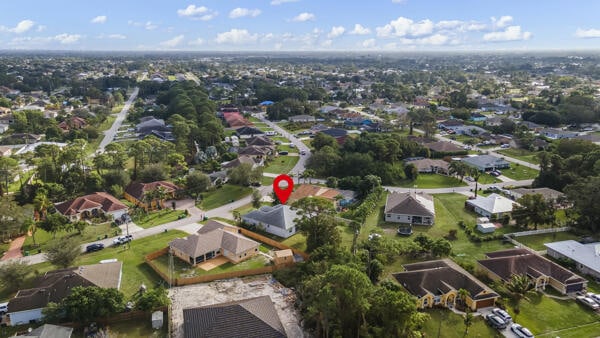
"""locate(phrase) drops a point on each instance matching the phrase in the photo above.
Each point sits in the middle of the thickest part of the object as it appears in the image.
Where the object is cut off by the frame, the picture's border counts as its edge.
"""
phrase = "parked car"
(303, 152)
(470, 179)
(594, 296)
(496, 322)
(122, 239)
(292, 145)
(502, 314)
(521, 331)
(94, 247)
(3, 308)
(589, 302)
(506, 145)
(283, 153)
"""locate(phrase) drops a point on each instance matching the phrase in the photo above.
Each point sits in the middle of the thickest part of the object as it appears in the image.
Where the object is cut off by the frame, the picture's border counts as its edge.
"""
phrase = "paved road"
(109, 135)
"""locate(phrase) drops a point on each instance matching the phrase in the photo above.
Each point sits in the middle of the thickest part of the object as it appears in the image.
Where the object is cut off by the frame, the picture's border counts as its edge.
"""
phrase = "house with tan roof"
(502, 265)
(431, 166)
(144, 196)
(214, 239)
(92, 205)
(55, 285)
(410, 208)
(436, 283)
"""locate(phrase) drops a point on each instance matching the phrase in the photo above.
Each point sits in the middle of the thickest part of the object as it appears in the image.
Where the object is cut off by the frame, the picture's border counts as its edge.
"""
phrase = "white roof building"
(492, 206)
(586, 256)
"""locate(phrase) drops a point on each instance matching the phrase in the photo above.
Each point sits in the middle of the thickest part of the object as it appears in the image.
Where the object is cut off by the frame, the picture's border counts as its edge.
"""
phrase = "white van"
(3, 308)
(271, 133)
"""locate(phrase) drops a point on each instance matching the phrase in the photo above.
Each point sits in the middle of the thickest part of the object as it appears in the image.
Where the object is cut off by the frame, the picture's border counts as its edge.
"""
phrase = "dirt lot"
(236, 289)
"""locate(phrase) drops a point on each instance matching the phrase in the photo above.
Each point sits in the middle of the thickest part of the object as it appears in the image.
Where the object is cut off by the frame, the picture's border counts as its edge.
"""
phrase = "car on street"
(496, 322)
(589, 302)
(470, 179)
(521, 331)
(502, 314)
(303, 152)
(94, 247)
(122, 239)
(506, 145)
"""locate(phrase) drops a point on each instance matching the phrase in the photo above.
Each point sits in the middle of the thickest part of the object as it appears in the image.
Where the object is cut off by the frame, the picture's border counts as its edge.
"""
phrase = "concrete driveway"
(506, 332)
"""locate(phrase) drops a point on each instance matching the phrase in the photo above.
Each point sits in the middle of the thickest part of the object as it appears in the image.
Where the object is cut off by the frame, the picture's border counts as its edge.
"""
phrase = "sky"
(300, 25)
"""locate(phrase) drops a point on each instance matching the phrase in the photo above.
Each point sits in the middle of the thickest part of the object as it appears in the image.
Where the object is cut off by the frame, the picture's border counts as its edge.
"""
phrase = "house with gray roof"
(212, 240)
(410, 208)
(493, 206)
(279, 220)
(585, 256)
(486, 162)
(253, 317)
(557, 134)
(48, 331)
(550, 195)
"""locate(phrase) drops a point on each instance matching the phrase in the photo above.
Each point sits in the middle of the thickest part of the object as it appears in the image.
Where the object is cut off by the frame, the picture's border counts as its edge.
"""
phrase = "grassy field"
(427, 181)
(447, 324)
(132, 328)
(281, 164)
(536, 242)
(521, 154)
(488, 179)
(221, 196)
(90, 234)
(183, 269)
(285, 147)
(158, 217)
(296, 241)
(518, 172)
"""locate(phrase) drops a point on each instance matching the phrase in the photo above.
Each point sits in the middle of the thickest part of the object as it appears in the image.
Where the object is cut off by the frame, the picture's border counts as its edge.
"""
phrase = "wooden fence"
(224, 275)
(271, 242)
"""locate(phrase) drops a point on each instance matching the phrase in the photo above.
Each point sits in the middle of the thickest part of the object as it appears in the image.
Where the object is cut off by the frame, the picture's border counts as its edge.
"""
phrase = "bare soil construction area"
(232, 290)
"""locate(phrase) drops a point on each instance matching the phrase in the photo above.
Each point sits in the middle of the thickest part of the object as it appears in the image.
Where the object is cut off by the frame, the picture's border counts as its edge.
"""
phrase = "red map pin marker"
(283, 194)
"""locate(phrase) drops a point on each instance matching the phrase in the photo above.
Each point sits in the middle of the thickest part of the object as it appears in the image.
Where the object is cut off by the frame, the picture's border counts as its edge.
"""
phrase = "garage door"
(574, 287)
(485, 303)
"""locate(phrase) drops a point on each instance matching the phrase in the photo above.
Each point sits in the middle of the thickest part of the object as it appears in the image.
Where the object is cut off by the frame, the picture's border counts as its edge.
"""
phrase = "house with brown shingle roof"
(502, 265)
(55, 285)
(92, 205)
(136, 193)
(428, 165)
(253, 317)
(212, 240)
(73, 122)
(410, 208)
(443, 147)
(436, 283)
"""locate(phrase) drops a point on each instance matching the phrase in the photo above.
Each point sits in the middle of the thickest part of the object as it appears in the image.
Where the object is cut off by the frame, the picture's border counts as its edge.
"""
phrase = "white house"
(279, 220)
(410, 207)
(492, 206)
(585, 256)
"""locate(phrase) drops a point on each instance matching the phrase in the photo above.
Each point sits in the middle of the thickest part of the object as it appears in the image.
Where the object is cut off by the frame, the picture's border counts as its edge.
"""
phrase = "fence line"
(271, 242)
(537, 232)
(120, 317)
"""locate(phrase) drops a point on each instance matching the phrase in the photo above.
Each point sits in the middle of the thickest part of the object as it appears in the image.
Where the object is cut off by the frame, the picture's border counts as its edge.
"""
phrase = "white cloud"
(117, 36)
(197, 13)
(148, 25)
(327, 43)
(302, 17)
(242, 12)
(41, 28)
(587, 33)
(236, 36)
(405, 27)
(67, 39)
(435, 39)
(279, 2)
(511, 33)
(336, 31)
(502, 22)
(360, 30)
(278, 46)
(99, 19)
(197, 42)
(398, 1)
(174, 42)
(21, 27)
(369, 43)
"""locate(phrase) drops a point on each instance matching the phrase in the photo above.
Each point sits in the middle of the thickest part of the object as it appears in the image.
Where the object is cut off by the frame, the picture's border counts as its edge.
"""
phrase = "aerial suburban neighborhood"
(426, 194)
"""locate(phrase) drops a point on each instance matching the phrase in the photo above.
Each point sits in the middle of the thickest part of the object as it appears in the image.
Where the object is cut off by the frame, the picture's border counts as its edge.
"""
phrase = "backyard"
(281, 164)
(447, 324)
(536, 242)
(223, 195)
(183, 269)
(518, 172)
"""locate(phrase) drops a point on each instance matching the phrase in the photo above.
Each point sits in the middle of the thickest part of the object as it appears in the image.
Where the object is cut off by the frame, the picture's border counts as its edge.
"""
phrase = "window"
(388, 215)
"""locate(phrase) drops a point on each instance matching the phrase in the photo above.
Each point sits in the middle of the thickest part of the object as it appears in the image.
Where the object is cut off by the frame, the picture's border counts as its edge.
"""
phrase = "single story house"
(301, 118)
(212, 240)
(279, 220)
(336, 196)
(338, 134)
(502, 265)
(443, 147)
(149, 124)
(550, 195)
(436, 283)
(450, 123)
(557, 134)
(92, 205)
(427, 165)
(247, 132)
(252, 317)
(585, 256)
(477, 117)
(261, 141)
(253, 161)
(410, 207)
(55, 285)
(531, 125)
(486, 162)
(493, 206)
(467, 130)
(137, 193)
(260, 152)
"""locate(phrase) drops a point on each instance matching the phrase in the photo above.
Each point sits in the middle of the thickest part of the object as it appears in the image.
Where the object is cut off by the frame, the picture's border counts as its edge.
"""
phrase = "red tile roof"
(105, 201)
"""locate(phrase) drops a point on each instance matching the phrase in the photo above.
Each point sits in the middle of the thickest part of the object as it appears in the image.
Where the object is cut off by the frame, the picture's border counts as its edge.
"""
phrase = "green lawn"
(488, 179)
(267, 180)
(280, 139)
(542, 314)
(183, 269)
(90, 234)
(447, 324)
(521, 154)
(135, 270)
(518, 172)
(296, 241)
(14, 186)
(586, 330)
(428, 181)
(158, 217)
(132, 328)
(281, 164)
(285, 147)
(223, 195)
(536, 242)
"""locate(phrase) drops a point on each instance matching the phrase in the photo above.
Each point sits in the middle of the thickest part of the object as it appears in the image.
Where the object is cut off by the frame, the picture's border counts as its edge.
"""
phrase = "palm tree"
(41, 203)
(463, 295)
(476, 174)
(309, 173)
(468, 320)
(519, 286)
(160, 194)
(458, 168)
(30, 225)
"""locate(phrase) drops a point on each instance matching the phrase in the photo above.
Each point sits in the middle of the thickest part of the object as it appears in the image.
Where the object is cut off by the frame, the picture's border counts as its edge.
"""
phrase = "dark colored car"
(94, 247)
